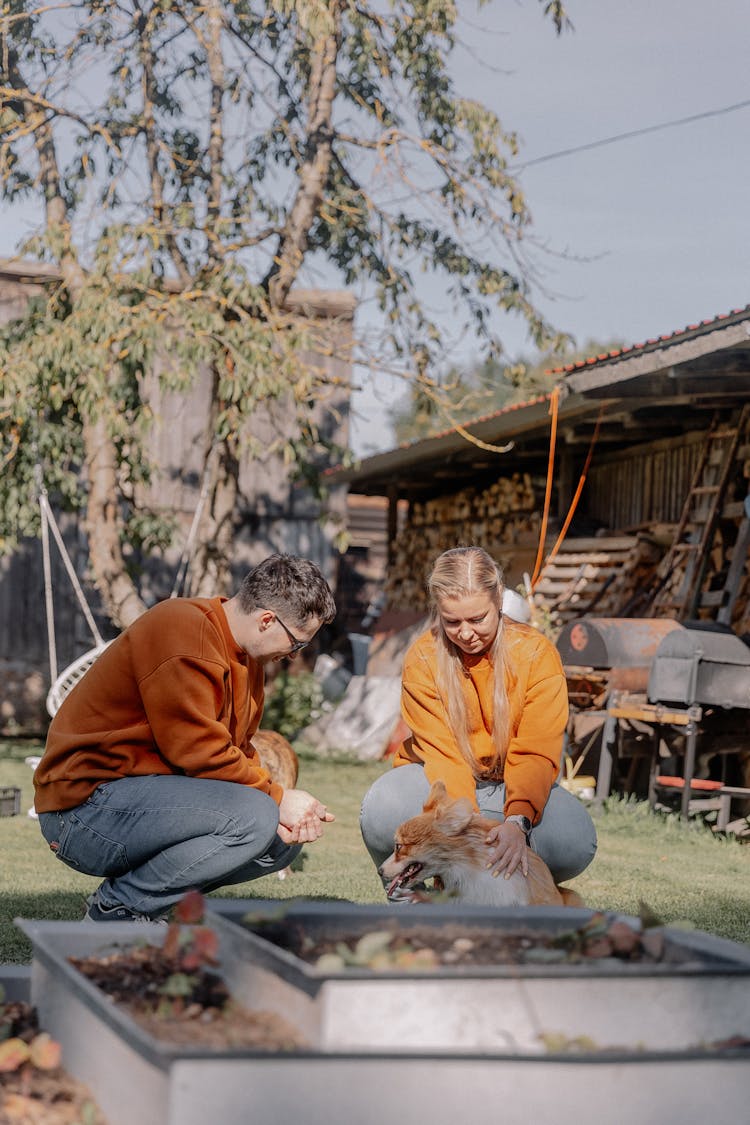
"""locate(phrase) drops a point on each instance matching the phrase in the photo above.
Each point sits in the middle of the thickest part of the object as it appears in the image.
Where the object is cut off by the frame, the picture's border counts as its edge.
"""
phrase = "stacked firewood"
(496, 518)
(606, 577)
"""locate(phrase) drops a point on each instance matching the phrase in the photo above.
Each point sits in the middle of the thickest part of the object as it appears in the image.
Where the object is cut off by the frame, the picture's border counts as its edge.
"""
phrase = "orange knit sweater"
(538, 700)
(173, 694)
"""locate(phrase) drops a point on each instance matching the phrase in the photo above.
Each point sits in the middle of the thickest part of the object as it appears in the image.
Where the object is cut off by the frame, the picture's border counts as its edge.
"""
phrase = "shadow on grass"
(54, 906)
(70, 906)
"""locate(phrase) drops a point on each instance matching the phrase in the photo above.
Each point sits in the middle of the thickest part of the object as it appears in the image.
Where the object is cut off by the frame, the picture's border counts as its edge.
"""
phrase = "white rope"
(50, 519)
(48, 604)
(184, 564)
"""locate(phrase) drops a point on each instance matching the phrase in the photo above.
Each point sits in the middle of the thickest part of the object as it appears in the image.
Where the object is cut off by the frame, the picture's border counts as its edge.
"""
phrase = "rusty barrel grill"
(621, 647)
(619, 652)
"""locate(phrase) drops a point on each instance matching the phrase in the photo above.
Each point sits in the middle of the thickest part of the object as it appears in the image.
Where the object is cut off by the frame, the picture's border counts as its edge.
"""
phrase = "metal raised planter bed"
(700, 998)
(403, 1047)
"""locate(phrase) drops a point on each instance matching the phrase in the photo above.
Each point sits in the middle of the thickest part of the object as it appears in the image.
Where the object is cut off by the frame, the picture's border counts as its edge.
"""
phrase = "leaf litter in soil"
(399, 947)
(184, 1008)
(32, 1094)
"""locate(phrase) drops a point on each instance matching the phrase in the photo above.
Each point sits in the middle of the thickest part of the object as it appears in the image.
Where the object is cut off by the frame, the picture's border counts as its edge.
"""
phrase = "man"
(149, 776)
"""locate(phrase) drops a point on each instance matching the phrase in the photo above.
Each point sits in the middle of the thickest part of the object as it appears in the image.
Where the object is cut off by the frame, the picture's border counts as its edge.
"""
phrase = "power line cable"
(633, 133)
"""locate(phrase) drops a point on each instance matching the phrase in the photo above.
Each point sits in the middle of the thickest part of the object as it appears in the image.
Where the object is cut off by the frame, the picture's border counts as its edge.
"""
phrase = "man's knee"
(252, 817)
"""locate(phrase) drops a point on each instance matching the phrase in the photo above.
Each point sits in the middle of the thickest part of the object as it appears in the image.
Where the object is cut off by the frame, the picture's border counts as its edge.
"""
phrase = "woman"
(486, 702)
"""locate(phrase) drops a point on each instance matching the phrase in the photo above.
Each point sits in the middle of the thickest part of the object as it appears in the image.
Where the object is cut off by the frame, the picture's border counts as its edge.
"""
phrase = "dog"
(281, 762)
(277, 757)
(447, 842)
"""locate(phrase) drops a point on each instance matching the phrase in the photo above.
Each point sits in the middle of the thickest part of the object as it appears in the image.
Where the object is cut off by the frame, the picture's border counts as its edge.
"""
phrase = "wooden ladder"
(688, 555)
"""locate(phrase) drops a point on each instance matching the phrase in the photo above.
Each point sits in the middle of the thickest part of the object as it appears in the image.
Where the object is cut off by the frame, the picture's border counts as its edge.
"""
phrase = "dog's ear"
(438, 794)
(454, 816)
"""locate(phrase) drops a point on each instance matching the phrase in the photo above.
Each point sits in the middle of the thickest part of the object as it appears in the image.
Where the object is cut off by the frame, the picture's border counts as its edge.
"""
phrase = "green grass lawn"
(682, 872)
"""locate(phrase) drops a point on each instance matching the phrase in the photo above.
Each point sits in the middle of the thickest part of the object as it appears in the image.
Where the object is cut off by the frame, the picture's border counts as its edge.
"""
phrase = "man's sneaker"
(98, 913)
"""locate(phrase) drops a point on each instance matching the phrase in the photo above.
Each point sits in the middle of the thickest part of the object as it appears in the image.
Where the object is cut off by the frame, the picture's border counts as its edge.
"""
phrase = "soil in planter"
(426, 947)
(30, 1096)
(188, 1009)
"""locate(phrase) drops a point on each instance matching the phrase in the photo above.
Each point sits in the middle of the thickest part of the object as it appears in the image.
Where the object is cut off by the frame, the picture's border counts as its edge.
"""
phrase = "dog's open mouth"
(405, 878)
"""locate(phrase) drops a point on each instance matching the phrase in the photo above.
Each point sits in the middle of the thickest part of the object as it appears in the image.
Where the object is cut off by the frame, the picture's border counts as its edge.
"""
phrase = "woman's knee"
(392, 799)
(566, 835)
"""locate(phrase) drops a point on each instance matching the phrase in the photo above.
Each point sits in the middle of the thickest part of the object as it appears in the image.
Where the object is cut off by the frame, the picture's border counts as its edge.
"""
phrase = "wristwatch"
(523, 823)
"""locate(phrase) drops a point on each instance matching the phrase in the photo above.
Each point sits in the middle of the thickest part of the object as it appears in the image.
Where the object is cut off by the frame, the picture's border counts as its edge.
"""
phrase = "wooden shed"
(662, 430)
(275, 513)
(622, 494)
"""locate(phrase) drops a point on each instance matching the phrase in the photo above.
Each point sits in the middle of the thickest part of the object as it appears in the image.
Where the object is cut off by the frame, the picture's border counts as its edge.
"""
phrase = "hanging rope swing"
(64, 682)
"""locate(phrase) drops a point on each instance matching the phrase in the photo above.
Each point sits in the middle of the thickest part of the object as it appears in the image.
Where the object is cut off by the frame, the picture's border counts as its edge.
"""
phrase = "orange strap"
(573, 503)
(554, 408)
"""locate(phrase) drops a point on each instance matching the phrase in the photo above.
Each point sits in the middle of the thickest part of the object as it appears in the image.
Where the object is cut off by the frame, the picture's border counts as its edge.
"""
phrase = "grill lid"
(695, 665)
(718, 647)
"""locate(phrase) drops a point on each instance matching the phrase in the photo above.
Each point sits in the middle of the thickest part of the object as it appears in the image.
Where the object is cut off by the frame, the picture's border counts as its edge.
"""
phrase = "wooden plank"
(649, 714)
(616, 543)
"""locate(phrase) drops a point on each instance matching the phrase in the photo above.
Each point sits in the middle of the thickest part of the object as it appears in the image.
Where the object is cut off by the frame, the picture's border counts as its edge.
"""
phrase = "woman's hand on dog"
(507, 850)
(301, 817)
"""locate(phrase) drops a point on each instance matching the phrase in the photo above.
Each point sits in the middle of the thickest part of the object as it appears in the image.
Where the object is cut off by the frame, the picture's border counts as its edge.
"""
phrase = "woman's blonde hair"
(458, 573)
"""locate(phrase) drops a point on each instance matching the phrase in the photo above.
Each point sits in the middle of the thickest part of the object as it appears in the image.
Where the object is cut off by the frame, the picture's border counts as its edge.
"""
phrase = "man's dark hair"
(287, 584)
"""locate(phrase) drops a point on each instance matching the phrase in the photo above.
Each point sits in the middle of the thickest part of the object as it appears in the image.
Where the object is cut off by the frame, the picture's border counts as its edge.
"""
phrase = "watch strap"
(523, 823)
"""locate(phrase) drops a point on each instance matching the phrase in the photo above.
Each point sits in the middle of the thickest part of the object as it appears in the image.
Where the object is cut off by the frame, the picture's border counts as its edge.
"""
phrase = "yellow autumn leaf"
(45, 1051)
(13, 1054)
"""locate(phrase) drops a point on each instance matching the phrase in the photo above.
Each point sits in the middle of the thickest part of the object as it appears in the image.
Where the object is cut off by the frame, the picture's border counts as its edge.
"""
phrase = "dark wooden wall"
(646, 485)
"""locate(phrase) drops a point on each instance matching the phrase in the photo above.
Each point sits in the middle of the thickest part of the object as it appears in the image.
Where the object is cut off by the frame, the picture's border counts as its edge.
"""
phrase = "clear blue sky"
(656, 227)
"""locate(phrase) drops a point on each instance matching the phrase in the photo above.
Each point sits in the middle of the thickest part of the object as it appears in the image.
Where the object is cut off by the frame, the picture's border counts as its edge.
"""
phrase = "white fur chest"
(480, 888)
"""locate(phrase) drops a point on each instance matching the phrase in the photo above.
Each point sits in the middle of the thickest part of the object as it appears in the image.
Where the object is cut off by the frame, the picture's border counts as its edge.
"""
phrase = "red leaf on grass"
(171, 945)
(203, 949)
(190, 909)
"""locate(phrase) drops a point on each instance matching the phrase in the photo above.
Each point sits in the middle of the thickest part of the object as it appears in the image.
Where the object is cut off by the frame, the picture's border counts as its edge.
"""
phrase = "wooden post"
(392, 529)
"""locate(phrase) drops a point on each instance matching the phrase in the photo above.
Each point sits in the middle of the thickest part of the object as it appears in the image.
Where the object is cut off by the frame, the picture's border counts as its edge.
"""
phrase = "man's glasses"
(297, 645)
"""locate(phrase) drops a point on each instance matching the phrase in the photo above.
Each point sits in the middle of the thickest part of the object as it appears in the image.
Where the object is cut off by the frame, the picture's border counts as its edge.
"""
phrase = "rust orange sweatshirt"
(538, 699)
(174, 693)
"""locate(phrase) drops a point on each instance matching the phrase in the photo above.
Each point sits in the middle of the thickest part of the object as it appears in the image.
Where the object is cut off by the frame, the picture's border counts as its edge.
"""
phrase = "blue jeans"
(565, 837)
(156, 837)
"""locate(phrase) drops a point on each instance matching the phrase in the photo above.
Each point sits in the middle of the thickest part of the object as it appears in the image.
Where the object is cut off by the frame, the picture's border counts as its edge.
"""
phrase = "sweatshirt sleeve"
(184, 701)
(535, 750)
(432, 741)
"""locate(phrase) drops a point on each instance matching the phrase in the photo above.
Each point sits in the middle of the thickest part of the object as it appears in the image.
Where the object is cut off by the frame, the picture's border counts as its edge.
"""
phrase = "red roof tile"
(653, 342)
(483, 418)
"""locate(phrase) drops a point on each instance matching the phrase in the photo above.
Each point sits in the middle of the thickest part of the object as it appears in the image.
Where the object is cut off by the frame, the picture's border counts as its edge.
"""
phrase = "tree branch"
(144, 30)
(215, 153)
(316, 163)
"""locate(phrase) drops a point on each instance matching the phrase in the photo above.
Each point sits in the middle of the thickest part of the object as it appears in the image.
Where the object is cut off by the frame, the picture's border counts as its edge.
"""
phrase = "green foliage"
(190, 163)
(292, 702)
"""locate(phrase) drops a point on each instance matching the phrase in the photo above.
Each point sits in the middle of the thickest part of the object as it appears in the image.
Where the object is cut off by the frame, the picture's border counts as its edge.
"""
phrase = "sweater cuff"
(520, 808)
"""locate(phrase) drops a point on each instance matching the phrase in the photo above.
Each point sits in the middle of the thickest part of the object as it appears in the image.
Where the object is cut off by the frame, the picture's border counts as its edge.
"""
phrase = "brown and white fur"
(279, 759)
(447, 841)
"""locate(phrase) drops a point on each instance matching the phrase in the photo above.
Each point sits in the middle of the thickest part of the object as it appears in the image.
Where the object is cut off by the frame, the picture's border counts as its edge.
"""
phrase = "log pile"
(498, 518)
(623, 575)
(602, 576)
